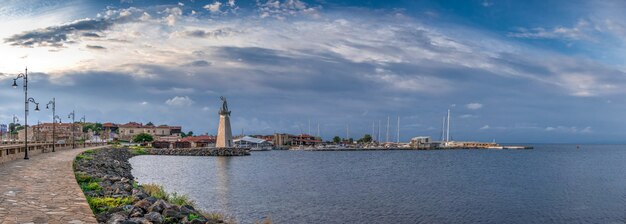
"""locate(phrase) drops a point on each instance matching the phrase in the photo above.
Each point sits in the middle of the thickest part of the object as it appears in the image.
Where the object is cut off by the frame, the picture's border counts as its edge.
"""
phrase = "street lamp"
(82, 120)
(73, 116)
(26, 101)
(54, 117)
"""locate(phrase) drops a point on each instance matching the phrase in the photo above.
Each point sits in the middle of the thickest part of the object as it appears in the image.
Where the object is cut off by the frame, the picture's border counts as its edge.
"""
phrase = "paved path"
(42, 190)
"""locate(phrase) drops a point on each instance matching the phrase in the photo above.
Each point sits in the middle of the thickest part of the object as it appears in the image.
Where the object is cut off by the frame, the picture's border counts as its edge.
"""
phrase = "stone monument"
(224, 133)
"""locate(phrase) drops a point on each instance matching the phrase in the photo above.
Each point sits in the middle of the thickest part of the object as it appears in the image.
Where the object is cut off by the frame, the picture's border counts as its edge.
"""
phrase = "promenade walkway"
(43, 190)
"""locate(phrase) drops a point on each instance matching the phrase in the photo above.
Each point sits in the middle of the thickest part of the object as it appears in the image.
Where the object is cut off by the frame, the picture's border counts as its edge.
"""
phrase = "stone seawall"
(201, 152)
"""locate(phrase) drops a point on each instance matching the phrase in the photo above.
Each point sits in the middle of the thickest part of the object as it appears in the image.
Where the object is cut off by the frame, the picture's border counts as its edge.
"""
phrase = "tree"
(336, 139)
(190, 133)
(366, 138)
(95, 127)
(149, 123)
(143, 137)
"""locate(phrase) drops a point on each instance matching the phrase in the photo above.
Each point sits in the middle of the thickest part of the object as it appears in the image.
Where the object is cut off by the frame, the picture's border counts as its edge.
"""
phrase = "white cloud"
(231, 3)
(179, 101)
(144, 103)
(474, 106)
(464, 116)
(485, 127)
(571, 129)
(213, 7)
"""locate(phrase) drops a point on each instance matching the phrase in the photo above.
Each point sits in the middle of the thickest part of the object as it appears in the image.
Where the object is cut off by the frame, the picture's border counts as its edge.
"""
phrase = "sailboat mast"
(398, 138)
(448, 128)
(387, 138)
(443, 128)
(378, 138)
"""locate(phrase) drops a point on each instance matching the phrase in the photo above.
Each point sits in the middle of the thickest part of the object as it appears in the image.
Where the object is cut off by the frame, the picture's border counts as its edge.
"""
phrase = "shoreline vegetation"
(114, 196)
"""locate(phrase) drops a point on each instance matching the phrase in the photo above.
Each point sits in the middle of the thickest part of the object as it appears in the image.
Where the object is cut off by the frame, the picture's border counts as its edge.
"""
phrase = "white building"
(252, 143)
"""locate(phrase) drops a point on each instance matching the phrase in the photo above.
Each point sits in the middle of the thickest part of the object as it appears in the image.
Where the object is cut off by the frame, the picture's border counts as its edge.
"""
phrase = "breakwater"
(115, 197)
(200, 152)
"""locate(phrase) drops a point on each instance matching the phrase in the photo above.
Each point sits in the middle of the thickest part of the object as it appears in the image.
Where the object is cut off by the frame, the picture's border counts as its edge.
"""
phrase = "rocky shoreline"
(114, 196)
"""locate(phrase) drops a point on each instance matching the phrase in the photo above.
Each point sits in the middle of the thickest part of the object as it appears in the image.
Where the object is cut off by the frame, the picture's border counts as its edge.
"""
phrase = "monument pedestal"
(224, 133)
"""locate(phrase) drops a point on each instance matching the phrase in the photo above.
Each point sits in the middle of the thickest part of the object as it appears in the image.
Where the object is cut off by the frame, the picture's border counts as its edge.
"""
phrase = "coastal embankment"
(114, 196)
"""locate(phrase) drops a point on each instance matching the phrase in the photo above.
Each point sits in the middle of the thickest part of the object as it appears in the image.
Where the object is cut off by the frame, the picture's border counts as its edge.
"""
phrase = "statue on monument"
(224, 109)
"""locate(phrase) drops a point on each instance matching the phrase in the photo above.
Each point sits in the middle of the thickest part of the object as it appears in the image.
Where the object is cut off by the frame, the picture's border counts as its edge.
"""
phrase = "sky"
(510, 71)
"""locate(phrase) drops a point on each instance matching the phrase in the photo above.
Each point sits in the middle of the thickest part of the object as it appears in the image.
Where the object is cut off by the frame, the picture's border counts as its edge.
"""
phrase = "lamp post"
(15, 120)
(26, 101)
(54, 118)
(73, 116)
(82, 120)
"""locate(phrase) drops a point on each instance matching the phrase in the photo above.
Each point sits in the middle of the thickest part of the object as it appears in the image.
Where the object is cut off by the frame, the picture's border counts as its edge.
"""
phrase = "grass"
(82, 156)
(99, 205)
(157, 191)
(138, 150)
(82, 177)
(192, 217)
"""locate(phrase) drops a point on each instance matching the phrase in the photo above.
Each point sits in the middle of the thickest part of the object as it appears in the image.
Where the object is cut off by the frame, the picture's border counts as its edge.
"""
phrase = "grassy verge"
(138, 150)
(157, 191)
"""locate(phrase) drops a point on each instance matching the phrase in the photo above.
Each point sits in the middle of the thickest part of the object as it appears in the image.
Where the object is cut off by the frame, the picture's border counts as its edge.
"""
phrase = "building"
(200, 141)
(129, 130)
(421, 142)
(304, 139)
(63, 132)
(282, 139)
(253, 143)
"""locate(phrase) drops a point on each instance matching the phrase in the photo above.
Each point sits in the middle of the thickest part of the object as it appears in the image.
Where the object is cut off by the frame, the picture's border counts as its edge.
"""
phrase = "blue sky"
(514, 71)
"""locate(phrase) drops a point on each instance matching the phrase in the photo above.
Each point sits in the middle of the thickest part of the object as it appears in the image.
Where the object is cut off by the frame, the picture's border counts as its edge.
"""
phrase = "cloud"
(179, 101)
(223, 32)
(57, 36)
(96, 47)
(199, 63)
(213, 7)
(484, 127)
(282, 9)
(487, 3)
(474, 106)
(571, 129)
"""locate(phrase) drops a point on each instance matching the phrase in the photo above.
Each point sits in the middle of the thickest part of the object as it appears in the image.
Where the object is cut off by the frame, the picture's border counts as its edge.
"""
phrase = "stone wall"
(13, 152)
(201, 152)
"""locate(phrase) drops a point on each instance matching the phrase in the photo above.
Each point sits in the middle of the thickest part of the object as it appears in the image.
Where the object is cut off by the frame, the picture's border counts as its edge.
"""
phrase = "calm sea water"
(550, 184)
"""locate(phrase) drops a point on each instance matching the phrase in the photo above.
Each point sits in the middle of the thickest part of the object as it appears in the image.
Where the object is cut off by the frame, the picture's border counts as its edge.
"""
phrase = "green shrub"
(99, 205)
(91, 186)
(82, 177)
(90, 151)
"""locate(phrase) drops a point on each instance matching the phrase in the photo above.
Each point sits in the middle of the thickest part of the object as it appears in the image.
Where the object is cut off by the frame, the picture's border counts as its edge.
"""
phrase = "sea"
(548, 184)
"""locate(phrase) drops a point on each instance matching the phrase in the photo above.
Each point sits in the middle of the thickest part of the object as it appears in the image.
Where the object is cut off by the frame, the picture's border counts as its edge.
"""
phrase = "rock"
(172, 212)
(139, 194)
(143, 204)
(158, 206)
(185, 211)
(128, 208)
(140, 221)
(118, 218)
(154, 217)
(137, 212)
